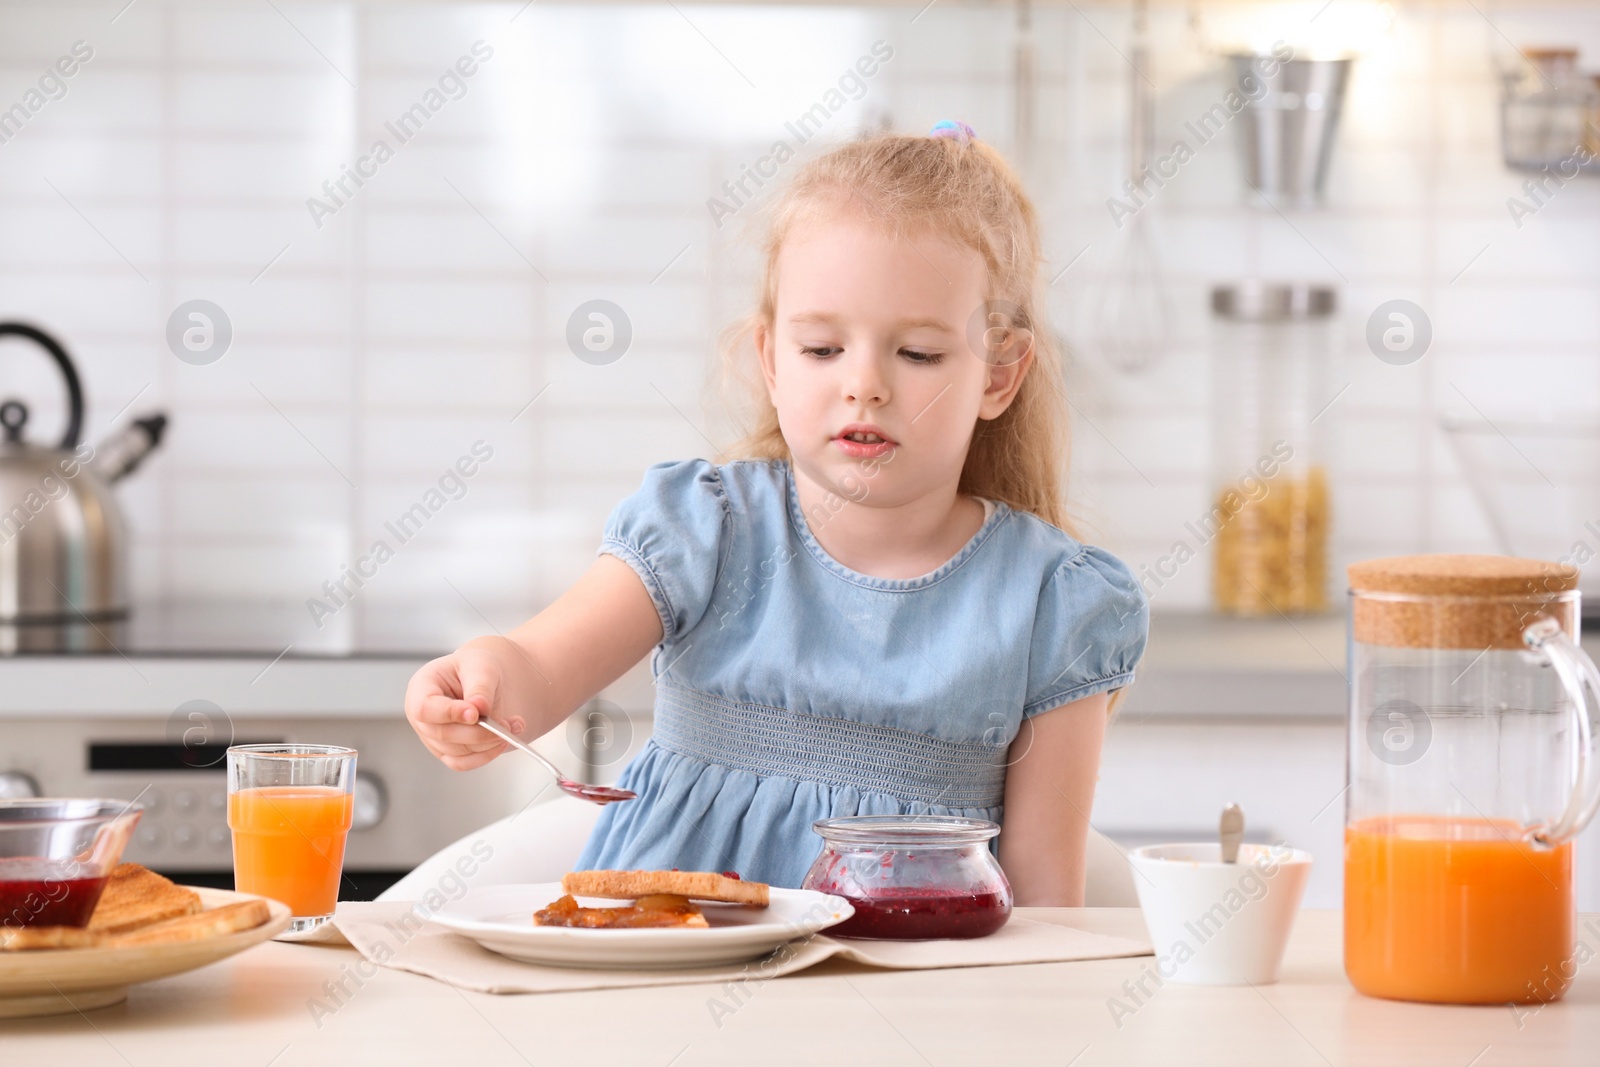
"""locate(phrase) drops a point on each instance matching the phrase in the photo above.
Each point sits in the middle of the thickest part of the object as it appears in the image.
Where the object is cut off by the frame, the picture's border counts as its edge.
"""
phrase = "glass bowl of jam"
(55, 856)
(912, 877)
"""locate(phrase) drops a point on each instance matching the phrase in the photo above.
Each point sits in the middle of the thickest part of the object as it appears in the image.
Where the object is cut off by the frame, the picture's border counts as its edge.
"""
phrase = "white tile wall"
(427, 312)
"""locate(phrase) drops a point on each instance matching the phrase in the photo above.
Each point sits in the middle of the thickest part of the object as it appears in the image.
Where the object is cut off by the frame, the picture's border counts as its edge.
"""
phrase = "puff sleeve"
(1089, 631)
(673, 532)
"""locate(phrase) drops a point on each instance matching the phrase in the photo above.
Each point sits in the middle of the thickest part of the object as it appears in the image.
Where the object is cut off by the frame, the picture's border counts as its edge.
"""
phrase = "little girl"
(879, 609)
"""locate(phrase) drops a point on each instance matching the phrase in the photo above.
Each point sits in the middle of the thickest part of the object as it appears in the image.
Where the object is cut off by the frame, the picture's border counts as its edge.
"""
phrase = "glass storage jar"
(912, 877)
(1268, 522)
(1544, 112)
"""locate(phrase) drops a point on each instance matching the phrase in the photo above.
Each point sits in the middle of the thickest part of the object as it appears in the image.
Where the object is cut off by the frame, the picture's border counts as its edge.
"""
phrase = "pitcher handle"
(1577, 673)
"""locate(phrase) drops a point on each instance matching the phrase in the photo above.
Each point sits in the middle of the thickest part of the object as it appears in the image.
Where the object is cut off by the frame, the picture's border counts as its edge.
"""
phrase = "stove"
(213, 628)
(146, 708)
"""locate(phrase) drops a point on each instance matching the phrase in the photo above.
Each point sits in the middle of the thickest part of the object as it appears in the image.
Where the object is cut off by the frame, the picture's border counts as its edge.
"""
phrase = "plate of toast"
(646, 920)
(143, 926)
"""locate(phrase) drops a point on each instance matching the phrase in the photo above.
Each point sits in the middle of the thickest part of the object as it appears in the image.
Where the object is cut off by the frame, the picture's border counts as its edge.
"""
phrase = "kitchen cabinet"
(1163, 778)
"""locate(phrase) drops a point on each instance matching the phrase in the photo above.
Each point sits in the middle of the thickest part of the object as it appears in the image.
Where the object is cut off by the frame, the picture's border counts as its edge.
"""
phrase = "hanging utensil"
(1025, 93)
(1131, 308)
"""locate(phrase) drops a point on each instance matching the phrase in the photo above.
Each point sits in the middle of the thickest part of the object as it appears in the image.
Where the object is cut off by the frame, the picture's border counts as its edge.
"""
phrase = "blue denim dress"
(790, 688)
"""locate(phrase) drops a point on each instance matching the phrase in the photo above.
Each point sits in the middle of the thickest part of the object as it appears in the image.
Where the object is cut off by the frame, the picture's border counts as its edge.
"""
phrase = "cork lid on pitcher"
(1450, 601)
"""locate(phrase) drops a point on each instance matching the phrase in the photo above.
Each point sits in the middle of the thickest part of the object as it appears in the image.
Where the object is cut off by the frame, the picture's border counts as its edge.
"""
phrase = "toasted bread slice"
(136, 896)
(650, 912)
(30, 938)
(630, 885)
(228, 919)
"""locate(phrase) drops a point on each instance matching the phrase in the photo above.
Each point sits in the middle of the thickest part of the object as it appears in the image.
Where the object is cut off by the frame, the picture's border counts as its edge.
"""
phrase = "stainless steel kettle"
(63, 543)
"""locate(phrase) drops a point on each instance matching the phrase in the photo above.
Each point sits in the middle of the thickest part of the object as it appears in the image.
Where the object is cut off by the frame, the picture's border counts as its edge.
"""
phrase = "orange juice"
(1456, 911)
(288, 844)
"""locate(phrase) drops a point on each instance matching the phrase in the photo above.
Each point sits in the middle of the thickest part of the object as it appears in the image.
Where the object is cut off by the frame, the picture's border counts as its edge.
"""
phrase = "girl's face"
(869, 362)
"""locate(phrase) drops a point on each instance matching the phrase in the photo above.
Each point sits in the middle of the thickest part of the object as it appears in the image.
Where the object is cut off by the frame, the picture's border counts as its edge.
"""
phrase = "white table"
(252, 1011)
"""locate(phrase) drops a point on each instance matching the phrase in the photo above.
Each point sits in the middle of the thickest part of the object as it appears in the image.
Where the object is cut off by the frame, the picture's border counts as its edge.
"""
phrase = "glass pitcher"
(1471, 769)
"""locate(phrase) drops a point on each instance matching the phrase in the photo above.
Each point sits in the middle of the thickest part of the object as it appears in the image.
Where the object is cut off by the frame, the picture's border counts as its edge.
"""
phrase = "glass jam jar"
(912, 877)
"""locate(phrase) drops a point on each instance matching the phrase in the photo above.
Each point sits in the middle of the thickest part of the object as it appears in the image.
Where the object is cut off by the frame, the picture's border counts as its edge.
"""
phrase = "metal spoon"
(1231, 831)
(597, 794)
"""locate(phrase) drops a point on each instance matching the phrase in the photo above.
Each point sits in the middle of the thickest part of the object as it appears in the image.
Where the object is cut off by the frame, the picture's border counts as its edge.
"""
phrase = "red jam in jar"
(40, 892)
(56, 854)
(912, 877)
(924, 916)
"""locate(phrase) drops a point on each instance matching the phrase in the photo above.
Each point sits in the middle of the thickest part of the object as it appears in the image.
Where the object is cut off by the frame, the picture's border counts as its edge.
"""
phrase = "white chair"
(537, 844)
(541, 843)
(1108, 878)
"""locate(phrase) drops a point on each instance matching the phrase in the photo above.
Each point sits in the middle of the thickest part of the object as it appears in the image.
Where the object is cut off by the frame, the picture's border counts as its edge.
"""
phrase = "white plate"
(500, 918)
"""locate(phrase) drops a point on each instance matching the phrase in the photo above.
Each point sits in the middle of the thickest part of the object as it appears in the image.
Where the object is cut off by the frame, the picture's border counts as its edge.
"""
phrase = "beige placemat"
(373, 930)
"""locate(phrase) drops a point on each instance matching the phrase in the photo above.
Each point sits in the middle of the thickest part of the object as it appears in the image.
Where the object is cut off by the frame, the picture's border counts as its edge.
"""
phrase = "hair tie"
(957, 131)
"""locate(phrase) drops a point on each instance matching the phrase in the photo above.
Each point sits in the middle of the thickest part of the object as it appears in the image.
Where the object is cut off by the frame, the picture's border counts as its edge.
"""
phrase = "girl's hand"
(446, 697)
(531, 679)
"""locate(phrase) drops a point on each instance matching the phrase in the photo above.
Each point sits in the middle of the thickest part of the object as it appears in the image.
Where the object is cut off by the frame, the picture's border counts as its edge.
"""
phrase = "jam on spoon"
(596, 794)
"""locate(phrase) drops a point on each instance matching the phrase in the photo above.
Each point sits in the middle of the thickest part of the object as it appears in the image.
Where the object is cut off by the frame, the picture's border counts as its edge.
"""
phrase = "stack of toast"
(660, 899)
(138, 908)
(701, 885)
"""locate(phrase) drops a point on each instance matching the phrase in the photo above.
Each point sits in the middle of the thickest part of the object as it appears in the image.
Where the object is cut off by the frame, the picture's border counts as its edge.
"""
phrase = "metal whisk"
(1131, 314)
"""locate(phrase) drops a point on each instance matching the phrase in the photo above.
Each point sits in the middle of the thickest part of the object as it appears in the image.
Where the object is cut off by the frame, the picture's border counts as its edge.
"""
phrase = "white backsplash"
(429, 309)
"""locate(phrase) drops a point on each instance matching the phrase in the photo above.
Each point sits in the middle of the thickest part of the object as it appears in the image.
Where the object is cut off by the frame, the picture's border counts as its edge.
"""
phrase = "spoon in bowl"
(1230, 831)
(596, 794)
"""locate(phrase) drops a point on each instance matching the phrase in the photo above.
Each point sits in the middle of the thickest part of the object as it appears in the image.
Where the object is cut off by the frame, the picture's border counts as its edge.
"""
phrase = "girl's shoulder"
(1061, 558)
(1090, 621)
(699, 484)
(687, 522)
(756, 479)
(711, 505)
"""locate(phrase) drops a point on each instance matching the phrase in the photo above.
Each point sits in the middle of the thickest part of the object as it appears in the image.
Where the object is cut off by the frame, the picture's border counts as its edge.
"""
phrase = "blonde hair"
(965, 191)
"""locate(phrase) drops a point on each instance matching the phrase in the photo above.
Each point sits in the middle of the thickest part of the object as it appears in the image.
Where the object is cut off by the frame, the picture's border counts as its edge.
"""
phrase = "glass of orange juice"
(289, 807)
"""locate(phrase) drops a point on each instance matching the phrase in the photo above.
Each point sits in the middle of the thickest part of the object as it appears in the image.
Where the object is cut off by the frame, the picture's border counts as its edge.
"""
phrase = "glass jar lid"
(923, 831)
(1458, 601)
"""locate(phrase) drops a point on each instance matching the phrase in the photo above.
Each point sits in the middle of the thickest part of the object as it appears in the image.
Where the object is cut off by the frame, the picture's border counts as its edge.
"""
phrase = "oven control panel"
(407, 804)
(184, 791)
(185, 821)
(183, 818)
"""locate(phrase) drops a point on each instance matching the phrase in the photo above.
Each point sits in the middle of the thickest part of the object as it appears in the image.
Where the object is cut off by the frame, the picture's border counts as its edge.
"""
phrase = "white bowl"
(1215, 923)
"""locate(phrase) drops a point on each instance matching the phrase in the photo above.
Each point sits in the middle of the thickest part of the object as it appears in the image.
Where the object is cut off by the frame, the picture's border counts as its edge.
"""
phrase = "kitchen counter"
(253, 1010)
(132, 688)
(1200, 666)
(1197, 666)
(1203, 666)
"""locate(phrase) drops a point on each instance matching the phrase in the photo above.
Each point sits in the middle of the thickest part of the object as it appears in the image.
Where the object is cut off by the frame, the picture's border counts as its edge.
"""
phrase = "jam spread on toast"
(653, 911)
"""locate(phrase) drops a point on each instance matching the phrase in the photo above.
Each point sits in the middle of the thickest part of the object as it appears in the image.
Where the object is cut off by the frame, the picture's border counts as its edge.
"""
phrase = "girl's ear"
(765, 353)
(1005, 375)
